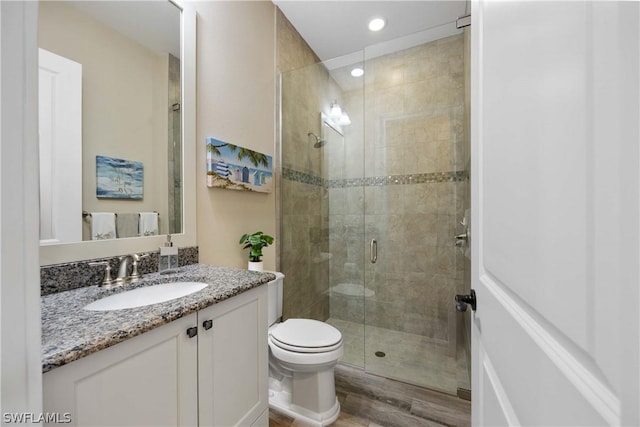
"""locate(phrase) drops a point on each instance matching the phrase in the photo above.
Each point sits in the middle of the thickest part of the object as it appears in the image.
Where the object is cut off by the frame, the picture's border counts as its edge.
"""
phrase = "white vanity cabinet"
(148, 380)
(233, 361)
(166, 378)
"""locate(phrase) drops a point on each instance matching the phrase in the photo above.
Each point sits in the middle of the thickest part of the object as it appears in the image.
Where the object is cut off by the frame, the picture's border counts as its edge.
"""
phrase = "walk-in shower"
(397, 174)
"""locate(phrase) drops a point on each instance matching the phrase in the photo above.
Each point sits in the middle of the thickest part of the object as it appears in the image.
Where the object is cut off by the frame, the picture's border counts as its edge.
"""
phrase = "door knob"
(207, 324)
(192, 332)
(464, 300)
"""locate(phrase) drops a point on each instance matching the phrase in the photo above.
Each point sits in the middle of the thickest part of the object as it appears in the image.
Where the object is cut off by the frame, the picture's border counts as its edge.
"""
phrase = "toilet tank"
(274, 298)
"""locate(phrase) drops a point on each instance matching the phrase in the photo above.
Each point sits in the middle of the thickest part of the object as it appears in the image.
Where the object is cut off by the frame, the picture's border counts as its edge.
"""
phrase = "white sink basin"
(146, 296)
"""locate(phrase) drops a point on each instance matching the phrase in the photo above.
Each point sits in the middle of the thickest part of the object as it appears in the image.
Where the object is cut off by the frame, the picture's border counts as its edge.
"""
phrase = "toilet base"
(280, 400)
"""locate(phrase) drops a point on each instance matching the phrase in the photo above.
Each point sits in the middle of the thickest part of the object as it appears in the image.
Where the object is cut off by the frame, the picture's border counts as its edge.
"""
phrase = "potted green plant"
(256, 242)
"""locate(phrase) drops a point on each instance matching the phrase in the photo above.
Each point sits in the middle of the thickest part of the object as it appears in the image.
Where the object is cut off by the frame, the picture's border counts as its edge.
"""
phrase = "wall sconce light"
(344, 119)
(335, 112)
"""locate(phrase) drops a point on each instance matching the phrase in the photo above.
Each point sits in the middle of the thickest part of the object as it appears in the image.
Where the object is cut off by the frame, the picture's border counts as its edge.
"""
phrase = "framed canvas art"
(236, 168)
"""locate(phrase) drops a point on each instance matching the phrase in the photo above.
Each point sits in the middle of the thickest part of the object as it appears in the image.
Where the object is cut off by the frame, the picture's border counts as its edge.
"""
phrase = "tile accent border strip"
(374, 181)
(302, 177)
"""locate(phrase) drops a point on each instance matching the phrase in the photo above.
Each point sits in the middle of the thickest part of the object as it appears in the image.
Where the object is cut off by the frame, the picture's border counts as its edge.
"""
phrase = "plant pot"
(256, 266)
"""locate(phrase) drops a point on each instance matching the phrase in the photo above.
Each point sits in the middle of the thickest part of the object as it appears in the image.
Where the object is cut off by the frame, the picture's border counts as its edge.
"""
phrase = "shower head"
(319, 142)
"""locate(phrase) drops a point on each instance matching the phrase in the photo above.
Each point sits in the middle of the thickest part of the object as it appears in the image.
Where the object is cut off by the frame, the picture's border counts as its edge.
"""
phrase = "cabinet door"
(233, 360)
(149, 380)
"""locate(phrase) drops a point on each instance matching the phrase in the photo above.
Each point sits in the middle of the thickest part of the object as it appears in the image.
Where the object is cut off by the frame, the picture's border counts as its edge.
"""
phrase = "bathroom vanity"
(201, 359)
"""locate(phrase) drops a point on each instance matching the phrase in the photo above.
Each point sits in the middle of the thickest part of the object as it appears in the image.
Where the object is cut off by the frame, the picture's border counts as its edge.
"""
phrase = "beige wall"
(236, 103)
(124, 97)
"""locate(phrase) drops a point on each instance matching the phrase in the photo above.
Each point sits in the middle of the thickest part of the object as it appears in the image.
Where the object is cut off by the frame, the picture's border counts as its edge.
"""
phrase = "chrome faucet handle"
(135, 274)
(138, 257)
(107, 280)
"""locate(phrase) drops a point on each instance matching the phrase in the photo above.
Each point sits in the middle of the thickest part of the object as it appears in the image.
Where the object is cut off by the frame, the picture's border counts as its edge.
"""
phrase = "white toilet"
(302, 355)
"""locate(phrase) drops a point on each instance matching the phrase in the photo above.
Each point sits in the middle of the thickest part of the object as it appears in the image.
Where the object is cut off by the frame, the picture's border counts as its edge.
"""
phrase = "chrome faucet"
(123, 275)
(123, 271)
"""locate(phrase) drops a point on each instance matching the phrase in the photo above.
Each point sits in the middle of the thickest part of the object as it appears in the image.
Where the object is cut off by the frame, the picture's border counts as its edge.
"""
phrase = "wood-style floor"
(368, 400)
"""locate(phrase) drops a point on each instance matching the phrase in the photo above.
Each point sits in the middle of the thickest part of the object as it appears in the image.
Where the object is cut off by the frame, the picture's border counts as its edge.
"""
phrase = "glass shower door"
(414, 188)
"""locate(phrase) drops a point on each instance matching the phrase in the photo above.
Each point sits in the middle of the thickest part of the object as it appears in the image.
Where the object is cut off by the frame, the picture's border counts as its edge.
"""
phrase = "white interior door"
(555, 193)
(60, 130)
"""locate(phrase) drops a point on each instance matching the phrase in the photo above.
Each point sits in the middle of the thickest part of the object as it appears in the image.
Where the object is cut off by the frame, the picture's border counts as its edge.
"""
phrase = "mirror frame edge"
(69, 252)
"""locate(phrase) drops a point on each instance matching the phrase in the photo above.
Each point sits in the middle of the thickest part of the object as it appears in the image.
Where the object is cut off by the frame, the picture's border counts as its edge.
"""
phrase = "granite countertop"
(70, 333)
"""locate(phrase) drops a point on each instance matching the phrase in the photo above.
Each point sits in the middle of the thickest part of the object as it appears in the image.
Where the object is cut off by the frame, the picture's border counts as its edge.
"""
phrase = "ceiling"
(337, 28)
(155, 25)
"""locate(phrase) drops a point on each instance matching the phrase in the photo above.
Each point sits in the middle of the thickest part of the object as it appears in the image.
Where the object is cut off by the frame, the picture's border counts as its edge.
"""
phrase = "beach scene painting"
(118, 178)
(236, 168)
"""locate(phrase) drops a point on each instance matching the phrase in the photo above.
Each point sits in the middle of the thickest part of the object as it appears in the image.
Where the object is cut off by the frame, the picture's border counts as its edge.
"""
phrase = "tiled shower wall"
(412, 194)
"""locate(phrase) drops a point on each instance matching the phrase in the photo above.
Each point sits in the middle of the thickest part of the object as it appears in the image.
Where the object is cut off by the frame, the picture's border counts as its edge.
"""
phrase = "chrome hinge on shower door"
(462, 240)
(463, 21)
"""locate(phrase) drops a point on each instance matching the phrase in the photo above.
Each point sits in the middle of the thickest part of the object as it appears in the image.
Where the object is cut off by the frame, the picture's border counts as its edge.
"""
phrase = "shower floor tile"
(407, 357)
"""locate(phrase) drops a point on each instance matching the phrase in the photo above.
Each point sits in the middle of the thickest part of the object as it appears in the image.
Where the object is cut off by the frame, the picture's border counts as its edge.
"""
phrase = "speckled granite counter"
(69, 332)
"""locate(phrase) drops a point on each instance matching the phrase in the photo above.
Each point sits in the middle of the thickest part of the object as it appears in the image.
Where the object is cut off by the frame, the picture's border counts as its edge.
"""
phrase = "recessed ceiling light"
(376, 24)
(357, 72)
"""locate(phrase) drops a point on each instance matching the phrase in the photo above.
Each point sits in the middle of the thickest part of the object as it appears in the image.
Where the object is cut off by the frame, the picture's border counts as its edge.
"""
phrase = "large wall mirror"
(116, 113)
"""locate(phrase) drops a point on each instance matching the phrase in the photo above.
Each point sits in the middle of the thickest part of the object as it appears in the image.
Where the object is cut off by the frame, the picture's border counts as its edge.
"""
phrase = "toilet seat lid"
(306, 334)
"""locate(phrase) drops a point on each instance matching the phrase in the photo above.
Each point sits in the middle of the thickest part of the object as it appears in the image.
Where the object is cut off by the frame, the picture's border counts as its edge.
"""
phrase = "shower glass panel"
(397, 173)
(316, 238)
(345, 171)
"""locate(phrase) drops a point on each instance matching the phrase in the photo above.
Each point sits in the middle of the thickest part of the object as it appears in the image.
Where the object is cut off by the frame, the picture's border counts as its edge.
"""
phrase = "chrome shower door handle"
(373, 251)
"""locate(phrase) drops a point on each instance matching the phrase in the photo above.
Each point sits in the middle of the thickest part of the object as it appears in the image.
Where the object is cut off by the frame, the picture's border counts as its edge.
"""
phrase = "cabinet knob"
(192, 332)
(207, 324)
